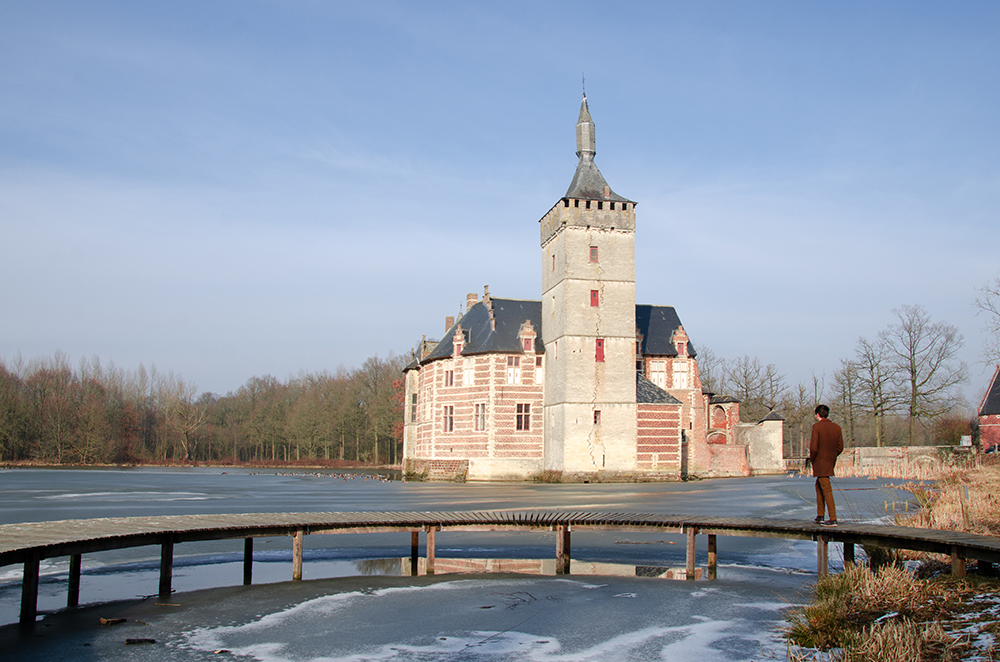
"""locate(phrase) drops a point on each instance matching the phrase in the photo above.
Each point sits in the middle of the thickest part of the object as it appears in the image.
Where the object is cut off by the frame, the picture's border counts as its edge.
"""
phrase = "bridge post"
(29, 590)
(297, 556)
(73, 591)
(166, 566)
(713, 557)
(247, 561)
(848, 553)
(822, 556)
(414, 553)
(562, 549)
(957, 561)
(430, 549)
(691, 533)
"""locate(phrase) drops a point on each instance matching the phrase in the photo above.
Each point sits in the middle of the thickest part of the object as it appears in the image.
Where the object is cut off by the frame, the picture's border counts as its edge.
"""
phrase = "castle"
(583, 385)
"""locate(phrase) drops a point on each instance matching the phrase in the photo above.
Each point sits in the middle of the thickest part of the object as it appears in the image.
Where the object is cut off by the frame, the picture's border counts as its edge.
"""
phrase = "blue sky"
(229, 189)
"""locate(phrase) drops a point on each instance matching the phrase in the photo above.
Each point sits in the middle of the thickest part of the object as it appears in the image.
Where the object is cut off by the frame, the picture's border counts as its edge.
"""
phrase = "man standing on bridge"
(826, 444)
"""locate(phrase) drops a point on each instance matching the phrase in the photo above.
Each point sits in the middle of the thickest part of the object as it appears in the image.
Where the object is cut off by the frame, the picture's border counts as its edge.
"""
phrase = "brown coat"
(826, 444)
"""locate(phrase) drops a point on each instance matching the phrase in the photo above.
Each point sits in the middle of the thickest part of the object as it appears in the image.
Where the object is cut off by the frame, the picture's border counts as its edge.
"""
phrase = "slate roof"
(481, 337)
(772, 416)
(646, 392)
(721, 399)
(657, 324)
(991, 403)
(588, 183)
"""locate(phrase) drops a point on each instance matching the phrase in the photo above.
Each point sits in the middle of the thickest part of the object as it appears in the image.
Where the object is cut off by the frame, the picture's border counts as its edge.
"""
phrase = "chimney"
(471, 299)
(449, 322)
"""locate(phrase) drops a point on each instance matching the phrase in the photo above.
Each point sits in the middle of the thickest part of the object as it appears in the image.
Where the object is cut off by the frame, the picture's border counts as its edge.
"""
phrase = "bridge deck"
(30, 542)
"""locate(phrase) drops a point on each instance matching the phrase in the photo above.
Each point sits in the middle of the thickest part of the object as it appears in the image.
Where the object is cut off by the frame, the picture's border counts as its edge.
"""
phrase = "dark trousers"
(824, 497)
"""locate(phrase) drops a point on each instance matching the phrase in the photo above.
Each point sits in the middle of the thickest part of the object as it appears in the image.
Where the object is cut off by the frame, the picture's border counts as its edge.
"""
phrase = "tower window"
(593, 253)
(597, 417)
(523, 421)
(449, 418)
(566, 202)
(612, 206)
(413, 407)
(553, 263)
(599, 351)
(576, 203)
(600, 204)
(588, 204)
(595, 298)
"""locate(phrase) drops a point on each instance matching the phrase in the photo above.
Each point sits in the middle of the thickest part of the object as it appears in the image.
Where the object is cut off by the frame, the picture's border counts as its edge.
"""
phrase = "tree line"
(91, 414)
(900, 387)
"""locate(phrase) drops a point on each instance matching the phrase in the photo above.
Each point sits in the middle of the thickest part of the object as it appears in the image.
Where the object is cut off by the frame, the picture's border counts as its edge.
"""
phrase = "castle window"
(413, 407)
(468, 377)
(448, 418)
(599, 351)
(523, 421)
(600, 204)
(593, 253)
(597, 417)
(681, 374)
(566, 202)
(612, 206)
(553, 263)
(658, 373)
(527, 344)
(595, 298)
(449, 377)
(480, 416)
(576, 203)
(513, 369)
(588, 204)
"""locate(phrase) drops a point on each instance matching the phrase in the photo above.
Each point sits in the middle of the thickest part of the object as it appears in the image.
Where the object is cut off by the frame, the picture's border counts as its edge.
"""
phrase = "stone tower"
(588, 309)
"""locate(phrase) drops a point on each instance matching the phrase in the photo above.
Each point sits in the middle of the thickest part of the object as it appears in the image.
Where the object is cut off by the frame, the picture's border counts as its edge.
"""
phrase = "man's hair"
(823, 411)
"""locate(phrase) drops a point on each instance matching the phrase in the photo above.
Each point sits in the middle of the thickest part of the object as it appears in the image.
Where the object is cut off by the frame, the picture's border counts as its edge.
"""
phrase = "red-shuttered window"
(599, 351)
(595, 298)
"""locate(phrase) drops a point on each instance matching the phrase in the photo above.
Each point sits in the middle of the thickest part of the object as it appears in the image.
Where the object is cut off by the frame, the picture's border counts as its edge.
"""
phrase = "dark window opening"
(600, 204)
(576, 203)
(597, 417)
(523, 421)
(588, 204)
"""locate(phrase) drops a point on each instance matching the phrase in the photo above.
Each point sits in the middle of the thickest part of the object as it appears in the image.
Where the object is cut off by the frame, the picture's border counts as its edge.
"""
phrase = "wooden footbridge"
(29, 543)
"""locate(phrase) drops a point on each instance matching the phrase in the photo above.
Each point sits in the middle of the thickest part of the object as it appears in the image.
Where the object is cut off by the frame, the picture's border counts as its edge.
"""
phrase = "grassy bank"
(910, 609)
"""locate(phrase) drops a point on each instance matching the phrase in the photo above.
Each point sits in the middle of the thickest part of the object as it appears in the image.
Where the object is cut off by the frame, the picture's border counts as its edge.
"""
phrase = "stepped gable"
(991, 403)
(648, 393)
(498, 332)
(656, 326)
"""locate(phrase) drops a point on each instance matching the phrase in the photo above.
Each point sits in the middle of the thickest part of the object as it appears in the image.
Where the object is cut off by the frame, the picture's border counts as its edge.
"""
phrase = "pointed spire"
(586, 145)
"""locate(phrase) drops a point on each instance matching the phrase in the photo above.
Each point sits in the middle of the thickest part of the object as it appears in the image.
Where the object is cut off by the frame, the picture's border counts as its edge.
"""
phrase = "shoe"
(818, 520)
(829, 522)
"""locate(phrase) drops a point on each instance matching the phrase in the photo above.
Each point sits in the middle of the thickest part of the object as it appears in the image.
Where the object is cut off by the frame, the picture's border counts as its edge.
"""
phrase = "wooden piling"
(957, 561)
(713, 557)
(166, 566)
(73, 590)
(414, 553)
(562, 549)
(822, 555)
(297, 556)
(29, 590)
(848, 554)
(247, 561)
(689, 565)
(430, 549)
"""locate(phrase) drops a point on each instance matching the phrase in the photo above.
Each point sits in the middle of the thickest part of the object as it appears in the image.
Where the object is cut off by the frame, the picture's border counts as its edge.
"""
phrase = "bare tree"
(846, 384)
(877, 382)
(988, 304)
(182, 413)
(711, 371)
(925, 354)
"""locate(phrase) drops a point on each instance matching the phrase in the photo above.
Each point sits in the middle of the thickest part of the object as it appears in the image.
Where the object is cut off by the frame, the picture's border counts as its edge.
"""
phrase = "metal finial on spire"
(584, 77)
